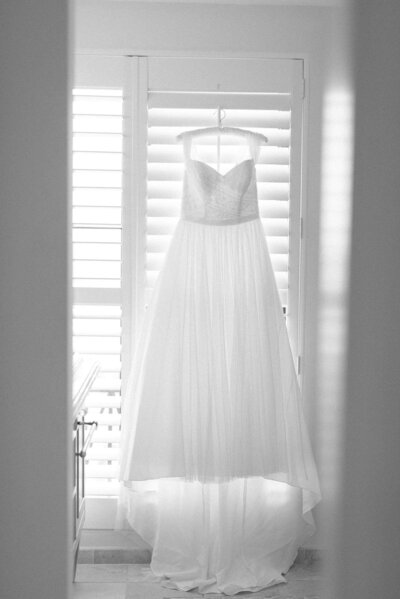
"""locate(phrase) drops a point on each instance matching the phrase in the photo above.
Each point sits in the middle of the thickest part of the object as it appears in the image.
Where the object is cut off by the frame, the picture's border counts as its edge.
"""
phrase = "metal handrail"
(93, 425)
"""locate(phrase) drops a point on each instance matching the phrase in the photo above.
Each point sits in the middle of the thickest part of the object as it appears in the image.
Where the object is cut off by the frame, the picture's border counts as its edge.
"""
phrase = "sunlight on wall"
(336, 201)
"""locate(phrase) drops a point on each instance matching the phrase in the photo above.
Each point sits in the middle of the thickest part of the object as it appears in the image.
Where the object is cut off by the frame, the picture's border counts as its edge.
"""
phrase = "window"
(261, 95)
(96, 251)
(126, 200)
(167, 116)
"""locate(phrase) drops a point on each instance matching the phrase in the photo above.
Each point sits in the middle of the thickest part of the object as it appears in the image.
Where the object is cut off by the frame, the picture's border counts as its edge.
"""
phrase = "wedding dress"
(217, 471)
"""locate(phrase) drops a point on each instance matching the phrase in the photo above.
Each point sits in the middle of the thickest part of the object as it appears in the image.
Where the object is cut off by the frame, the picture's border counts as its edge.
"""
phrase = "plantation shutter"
(259, 95)
(127, 183)
(97, 204)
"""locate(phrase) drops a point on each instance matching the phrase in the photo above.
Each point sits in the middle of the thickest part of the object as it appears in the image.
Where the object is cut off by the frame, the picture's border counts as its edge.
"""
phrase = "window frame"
(139, 76)
(155, 74)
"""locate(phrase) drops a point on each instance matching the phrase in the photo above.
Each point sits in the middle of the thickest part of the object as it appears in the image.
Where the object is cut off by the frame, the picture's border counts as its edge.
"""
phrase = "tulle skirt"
(217, 469)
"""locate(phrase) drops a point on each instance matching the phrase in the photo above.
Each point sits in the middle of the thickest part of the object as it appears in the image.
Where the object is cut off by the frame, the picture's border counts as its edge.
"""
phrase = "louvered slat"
(180, 101)
(101, 487)
(158, 135)
(260, 119)
(159, 153)
(100, 452)
(109, 471)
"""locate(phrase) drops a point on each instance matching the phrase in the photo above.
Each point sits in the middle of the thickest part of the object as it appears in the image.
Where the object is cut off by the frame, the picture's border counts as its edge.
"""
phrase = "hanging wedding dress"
(217, 470)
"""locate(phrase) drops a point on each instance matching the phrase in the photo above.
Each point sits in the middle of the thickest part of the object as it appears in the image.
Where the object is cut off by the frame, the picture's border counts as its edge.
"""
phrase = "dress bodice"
(213, 198)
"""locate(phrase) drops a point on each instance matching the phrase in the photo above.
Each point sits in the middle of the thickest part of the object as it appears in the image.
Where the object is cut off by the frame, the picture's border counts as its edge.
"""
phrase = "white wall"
(368, 548)
(35, 433)
(335, 236)
(168, 28)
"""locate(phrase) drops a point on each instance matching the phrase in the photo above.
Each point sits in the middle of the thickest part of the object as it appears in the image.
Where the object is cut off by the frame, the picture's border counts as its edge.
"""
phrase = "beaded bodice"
(211, 197)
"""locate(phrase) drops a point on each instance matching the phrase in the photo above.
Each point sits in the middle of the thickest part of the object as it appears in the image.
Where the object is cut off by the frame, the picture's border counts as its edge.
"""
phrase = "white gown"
(217, 470)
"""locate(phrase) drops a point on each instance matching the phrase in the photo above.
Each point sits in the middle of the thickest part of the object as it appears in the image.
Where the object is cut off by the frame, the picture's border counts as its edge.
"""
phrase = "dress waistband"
(220, 223)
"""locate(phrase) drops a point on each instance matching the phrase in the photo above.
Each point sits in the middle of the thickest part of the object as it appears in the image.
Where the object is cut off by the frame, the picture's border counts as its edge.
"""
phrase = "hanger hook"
(221, 112)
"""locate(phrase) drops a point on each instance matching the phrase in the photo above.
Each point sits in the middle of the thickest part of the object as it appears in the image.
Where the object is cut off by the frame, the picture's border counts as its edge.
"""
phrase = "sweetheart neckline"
(222, 175)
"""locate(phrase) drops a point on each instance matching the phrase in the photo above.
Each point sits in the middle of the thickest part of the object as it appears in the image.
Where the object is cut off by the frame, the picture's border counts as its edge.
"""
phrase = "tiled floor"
(123, 581)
